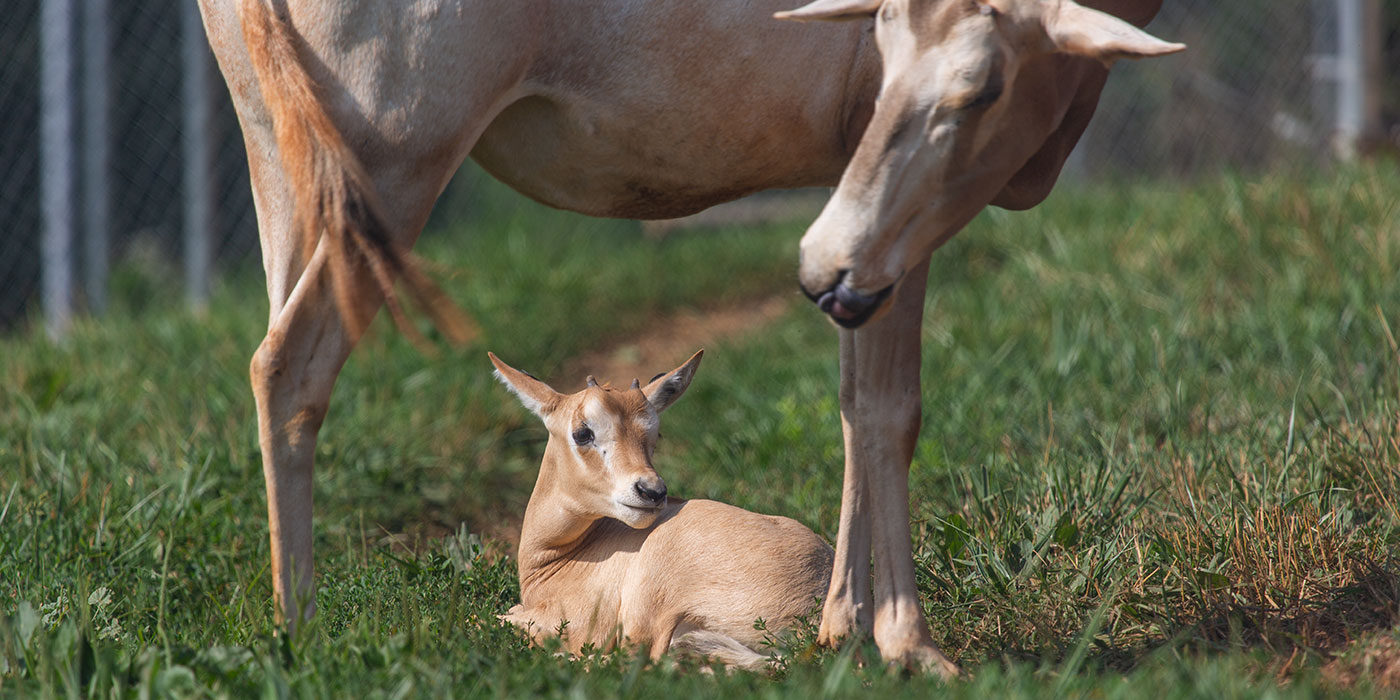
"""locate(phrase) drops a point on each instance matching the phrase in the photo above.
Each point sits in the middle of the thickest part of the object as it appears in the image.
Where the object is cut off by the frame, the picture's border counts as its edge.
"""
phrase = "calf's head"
(963, 104)
(601, 441)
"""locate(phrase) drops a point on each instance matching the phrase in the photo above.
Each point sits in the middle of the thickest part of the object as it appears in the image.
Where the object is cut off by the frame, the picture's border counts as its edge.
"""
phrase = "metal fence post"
(58, 111)
(96, 147)
(1373, 72)
(1358, 75)
(198, 143)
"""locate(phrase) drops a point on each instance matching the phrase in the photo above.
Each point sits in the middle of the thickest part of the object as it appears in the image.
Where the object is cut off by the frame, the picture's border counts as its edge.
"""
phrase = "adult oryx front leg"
(980, 101)
(848, 611)
(880, 415)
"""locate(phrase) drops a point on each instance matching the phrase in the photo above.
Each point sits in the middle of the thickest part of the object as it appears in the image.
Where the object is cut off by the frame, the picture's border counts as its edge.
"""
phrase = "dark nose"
(846, 303)
(825, 298)
(846, 306)
(655, 493)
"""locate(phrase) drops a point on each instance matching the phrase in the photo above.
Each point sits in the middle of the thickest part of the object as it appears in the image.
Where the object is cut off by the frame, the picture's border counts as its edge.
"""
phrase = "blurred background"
(121, 161)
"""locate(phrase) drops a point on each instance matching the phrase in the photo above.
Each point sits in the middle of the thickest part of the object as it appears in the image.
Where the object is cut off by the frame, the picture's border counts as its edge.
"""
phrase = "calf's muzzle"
(652, 491)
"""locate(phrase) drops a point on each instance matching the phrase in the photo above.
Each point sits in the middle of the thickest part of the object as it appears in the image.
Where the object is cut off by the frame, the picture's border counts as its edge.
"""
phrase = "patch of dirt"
(1374, 662)
(670, 340)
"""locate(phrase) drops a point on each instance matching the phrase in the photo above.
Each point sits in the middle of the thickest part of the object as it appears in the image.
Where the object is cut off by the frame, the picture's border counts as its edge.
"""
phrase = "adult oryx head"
(964, 104)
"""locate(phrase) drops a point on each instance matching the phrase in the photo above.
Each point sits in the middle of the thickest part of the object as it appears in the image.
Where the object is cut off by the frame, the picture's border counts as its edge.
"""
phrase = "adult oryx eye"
(987, 96)
(991, 91)
(583, 436)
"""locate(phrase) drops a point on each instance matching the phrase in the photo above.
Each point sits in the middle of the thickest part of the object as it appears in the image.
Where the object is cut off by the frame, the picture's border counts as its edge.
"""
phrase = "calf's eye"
(583, 436)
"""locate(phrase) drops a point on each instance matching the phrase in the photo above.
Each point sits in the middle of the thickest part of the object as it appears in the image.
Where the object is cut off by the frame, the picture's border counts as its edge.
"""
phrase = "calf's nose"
(652, 490)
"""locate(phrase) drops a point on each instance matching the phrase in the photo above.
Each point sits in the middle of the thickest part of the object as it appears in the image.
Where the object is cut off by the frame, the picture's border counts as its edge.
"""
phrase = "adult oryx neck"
(862, 87)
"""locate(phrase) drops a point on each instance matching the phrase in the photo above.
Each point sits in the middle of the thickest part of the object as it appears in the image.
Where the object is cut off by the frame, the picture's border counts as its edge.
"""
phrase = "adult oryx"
(355, 114)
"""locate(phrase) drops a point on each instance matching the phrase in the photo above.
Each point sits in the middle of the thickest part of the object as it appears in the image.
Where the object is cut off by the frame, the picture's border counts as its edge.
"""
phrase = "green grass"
(1161, 454)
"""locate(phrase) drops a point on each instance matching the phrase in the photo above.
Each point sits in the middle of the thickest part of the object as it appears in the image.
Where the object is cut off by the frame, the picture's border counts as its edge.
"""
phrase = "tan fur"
(334, 195)
(970, 93)
(934, 155)
(691, 575)
(356, 113)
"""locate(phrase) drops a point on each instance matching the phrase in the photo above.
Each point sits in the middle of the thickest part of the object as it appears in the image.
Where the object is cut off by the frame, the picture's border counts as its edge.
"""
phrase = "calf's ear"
(832, 10)
(533, 393)
(665, 389)
(1082, 31)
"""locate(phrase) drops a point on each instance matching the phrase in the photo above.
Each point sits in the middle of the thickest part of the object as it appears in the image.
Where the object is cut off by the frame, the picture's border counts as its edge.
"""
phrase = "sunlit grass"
(1161, 454)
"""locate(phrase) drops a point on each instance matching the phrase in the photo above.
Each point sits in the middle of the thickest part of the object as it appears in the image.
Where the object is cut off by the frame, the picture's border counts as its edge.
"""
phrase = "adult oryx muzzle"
(847, 307)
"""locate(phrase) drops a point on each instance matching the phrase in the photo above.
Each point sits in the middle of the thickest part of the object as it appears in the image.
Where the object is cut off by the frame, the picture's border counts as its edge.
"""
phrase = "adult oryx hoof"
(910, 648)
(841, 625)
(921, 659)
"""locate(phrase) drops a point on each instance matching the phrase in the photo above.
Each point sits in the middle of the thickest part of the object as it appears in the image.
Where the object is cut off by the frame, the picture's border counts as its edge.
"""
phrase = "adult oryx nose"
(845, 305)
(654, 492)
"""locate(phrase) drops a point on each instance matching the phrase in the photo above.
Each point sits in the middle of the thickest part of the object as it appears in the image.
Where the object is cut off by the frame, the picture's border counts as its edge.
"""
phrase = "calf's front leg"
(536, 624)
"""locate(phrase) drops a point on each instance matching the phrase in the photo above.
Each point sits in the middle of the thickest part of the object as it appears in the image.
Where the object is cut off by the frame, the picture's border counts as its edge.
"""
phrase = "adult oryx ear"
(832, 10)
(533, 393)
(1082, 31)
(666, 388)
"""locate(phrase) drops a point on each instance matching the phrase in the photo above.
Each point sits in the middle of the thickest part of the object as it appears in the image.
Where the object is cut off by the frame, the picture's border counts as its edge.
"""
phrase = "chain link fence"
(147, 120)
(1241, 97)
(1263, 84)
(19, 156)
(157, 177)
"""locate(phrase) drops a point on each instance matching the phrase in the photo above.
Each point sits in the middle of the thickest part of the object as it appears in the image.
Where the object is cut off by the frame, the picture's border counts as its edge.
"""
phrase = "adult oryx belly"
(639, 120)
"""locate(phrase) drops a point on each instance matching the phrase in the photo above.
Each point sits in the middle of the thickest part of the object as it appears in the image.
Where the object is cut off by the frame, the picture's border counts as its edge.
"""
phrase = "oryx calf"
(606, 557)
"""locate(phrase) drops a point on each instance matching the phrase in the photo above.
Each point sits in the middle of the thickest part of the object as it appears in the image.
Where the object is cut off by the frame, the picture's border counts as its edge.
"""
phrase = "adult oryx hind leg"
(880, 411)
(310, 335)
(292, 373)
(294, 370)
(352, 176)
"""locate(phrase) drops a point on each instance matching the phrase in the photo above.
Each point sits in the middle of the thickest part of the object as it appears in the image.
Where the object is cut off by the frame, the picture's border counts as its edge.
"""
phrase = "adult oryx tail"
(336, 201)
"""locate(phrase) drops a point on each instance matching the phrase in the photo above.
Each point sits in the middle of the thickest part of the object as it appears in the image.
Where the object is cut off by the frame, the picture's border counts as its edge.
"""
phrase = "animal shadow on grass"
(1323, 626)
